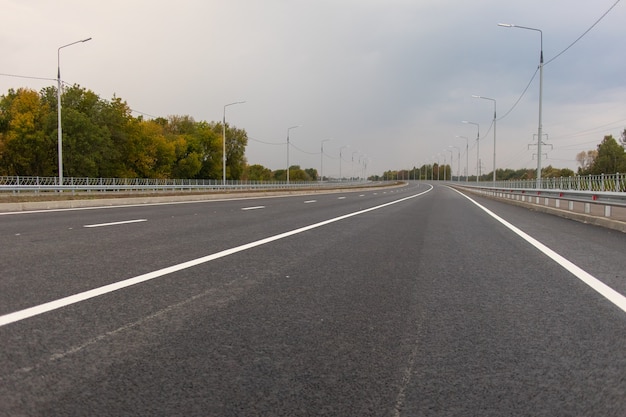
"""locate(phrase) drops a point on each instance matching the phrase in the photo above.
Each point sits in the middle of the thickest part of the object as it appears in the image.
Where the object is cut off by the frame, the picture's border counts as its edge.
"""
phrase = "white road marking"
(96, 292)
(310, 201)
(341, 198)
(253, 208)
(116, 223)
(607, 292)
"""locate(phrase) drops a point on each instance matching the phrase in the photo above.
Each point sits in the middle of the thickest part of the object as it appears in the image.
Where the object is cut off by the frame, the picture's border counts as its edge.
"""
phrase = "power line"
(584, 33)
(266, 143)
(555, 57)
(25, 76)
(303, 151)
(521, 95)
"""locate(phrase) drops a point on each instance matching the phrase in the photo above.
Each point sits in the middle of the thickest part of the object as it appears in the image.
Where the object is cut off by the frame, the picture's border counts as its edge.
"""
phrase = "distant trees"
(102, 139)
(609, 158)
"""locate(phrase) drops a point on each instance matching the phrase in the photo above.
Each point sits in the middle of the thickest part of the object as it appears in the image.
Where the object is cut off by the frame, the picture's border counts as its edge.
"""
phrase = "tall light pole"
(458, 164)
(466, 157)
(59, 127)
(494, 134)
(477, 149)
(224, 141)
(540, 128)
(353, 163)
(322, 161)
(288, 129)
(340, 157)
(451, 163)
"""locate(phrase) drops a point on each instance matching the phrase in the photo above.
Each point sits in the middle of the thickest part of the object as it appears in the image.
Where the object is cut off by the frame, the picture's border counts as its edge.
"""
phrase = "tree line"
(445, 172)
(608, 158)
(102, 139)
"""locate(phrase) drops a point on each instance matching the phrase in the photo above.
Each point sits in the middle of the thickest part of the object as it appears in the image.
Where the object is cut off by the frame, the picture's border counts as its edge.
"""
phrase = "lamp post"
(224, 141)
(59, 127)
(458, 164)
(466, 157)
(477, 149)
(322, 161)
(353, 163)
(451, 163)
(288, 129)
(494, 134)
(540, 127)
(340, 157)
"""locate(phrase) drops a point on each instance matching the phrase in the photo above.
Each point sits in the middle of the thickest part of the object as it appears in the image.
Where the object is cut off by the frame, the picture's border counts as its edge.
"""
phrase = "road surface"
(415, 301)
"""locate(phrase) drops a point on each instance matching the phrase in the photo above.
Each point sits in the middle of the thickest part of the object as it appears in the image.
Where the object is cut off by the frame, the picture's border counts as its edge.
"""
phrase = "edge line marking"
(600, 287)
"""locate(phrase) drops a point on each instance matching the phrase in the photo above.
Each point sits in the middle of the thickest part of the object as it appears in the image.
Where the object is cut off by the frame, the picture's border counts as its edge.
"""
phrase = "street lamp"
(60, 129)
(288, 129)
(224, 141)
(466, 157)
(322, 161)
(451, 163)
(340, 157)
(477, 149)
(540, 128)
(494, 134)
(458, 166)
(353, 163)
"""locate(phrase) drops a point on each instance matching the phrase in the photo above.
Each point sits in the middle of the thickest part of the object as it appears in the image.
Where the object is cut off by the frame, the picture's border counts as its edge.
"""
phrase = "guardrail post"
(602, 182)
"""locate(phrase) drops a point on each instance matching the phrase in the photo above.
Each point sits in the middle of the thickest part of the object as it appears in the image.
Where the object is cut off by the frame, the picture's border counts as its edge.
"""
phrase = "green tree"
(311, 174)
(86, 140)
(25, 148)
(280, 175)
(236, 142)
(146, 152)
(257, 173)
(210, 142)
(611, 157)
(117, 118)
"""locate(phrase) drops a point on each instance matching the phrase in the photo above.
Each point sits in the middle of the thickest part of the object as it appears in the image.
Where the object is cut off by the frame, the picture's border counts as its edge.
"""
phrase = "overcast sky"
(391, 79)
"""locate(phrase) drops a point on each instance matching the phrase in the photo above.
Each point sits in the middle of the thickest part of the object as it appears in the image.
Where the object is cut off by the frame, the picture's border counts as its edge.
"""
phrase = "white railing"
(599, 183)
(18, 184)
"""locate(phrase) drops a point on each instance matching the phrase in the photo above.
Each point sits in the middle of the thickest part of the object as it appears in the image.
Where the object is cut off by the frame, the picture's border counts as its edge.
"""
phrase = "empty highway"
(412, 301)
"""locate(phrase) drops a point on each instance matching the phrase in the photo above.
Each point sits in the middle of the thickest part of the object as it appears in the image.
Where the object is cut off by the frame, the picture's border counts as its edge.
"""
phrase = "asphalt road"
(406, 302)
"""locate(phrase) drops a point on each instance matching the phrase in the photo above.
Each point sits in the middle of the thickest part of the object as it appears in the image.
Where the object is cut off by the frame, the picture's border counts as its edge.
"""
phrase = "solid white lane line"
(86, 295)
(253, 208)
(607, 292)
(116, 223)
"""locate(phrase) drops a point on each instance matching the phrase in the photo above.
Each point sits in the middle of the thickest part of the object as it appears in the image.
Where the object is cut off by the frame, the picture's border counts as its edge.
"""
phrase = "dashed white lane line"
(115, 223)
(96, 292)
(310, 201)
(341, 198)
(253, 208)
(607, 292)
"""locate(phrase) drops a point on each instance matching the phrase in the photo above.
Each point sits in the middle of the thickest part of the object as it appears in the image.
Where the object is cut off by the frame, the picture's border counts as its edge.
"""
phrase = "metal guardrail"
(19, 184)
(595, 183)
(580, 196)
